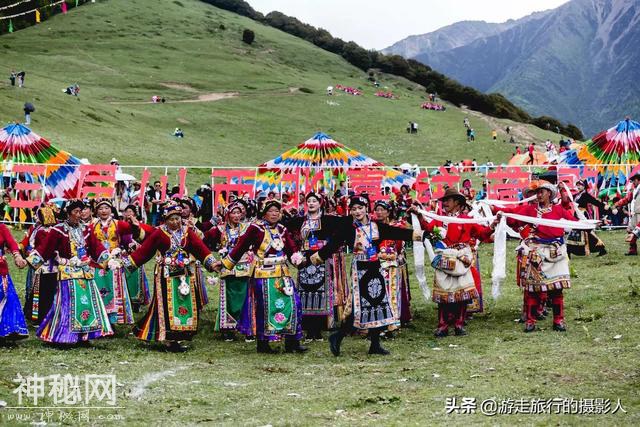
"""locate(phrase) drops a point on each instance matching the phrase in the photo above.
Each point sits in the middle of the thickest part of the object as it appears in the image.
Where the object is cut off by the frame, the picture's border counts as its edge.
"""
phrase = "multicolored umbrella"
(18, 144)
(321, 153)
(618, 145)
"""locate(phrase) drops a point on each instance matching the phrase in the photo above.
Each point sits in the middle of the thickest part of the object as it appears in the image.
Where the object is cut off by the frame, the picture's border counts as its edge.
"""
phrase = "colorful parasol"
(322, 153)
(617, 145)
(18, 144)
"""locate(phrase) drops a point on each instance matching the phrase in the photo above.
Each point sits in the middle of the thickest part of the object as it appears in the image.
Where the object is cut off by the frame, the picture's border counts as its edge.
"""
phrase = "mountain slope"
(452, 36)
(121, 53)
(576, 63)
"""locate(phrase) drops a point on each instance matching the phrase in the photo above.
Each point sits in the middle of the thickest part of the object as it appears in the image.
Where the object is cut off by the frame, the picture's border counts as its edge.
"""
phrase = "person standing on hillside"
(494, 135)
(28, 109)
(12, 78)
(531, 149)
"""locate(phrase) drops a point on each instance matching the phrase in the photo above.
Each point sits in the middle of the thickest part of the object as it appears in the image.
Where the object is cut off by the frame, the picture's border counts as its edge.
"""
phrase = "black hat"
(360, 199)
(74, 204)
(269, 204)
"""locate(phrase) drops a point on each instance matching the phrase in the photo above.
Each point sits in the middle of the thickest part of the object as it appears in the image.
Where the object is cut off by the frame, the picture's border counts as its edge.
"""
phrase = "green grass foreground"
(228, 383)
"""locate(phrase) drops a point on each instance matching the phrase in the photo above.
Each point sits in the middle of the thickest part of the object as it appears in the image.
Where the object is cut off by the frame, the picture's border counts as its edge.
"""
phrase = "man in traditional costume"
(173, 314)
(455, 277)
(233, 283)
(322, 288)
(272, 309)
(78, 313)
(370, 307)
(543, 262)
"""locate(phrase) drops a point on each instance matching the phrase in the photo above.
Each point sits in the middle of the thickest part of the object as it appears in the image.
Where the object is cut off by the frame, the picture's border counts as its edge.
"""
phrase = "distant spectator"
(508, 130)
(178, 133)
(531, 149)
(22, 74)
(494, 135)
(12, 78)
(28, 109)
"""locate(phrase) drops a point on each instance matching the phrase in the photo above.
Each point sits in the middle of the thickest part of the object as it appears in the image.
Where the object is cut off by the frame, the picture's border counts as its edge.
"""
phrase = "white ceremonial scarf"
(500, 236)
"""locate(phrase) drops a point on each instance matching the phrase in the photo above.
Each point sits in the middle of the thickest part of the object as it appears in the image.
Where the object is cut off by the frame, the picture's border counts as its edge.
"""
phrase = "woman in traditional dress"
(393, 258)
(188, 209)
(78, 313)
(137, 282)
(234, 282)
(322, 288)
(370, 306)
(543, 262)
(455, 272)
(42, 282)
(272, 309)
(581, 242)
(111, 281)
(173, 314)
(12, 323)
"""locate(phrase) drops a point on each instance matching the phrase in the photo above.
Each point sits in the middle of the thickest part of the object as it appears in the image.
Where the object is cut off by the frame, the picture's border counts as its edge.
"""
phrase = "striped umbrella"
(18, 144)
(321, 153)
(618, 145)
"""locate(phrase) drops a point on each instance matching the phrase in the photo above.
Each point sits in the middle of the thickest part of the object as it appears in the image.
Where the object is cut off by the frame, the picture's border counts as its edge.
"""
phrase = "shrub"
(248, 36)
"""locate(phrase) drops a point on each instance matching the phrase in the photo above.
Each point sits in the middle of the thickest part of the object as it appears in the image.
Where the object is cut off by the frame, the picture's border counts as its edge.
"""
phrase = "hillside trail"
(207, 97)
(521, 134)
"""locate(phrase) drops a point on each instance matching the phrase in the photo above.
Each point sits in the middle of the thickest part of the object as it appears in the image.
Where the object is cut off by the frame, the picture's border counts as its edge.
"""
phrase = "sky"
(376, 24)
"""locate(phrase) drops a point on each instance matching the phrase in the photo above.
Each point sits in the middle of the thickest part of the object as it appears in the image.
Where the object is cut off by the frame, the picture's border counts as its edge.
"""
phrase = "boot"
(560, 327)
(335, 340)
(460, 332)
(529, 327)
(441, 333)
(263, 347)
(375, 347)
(292, 345)
(176, 347)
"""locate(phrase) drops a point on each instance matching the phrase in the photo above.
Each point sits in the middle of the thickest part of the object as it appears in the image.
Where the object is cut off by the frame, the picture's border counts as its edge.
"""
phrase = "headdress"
(269, 204)
(74, 204)
(171, 208)
(359, 200)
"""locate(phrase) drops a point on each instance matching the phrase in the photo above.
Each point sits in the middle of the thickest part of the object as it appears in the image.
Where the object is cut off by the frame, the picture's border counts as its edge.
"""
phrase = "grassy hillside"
(121, 53)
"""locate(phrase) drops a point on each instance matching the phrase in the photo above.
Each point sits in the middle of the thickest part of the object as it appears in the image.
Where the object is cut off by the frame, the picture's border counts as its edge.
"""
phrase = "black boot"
(376, 348)
(176, 347)
(263, 347)
(460, 332)
(335, 340)
(292, 345)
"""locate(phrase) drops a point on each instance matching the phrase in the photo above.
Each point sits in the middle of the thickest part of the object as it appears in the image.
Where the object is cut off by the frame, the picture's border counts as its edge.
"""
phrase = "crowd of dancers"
(88, 268)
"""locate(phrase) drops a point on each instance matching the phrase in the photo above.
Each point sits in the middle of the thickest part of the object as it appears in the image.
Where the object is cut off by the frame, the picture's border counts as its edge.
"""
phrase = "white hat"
(549, 187)
(113, 160)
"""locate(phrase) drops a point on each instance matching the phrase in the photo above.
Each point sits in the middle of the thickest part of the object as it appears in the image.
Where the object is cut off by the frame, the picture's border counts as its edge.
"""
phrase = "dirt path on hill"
(207, 97)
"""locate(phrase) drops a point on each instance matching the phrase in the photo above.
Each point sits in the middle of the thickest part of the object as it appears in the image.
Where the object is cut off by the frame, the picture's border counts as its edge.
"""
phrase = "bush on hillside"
(248, 36)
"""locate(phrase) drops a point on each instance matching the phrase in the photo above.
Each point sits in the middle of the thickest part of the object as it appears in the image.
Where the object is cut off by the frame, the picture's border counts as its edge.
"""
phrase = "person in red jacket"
(543, 262)
(173, 314)
(455, 272)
